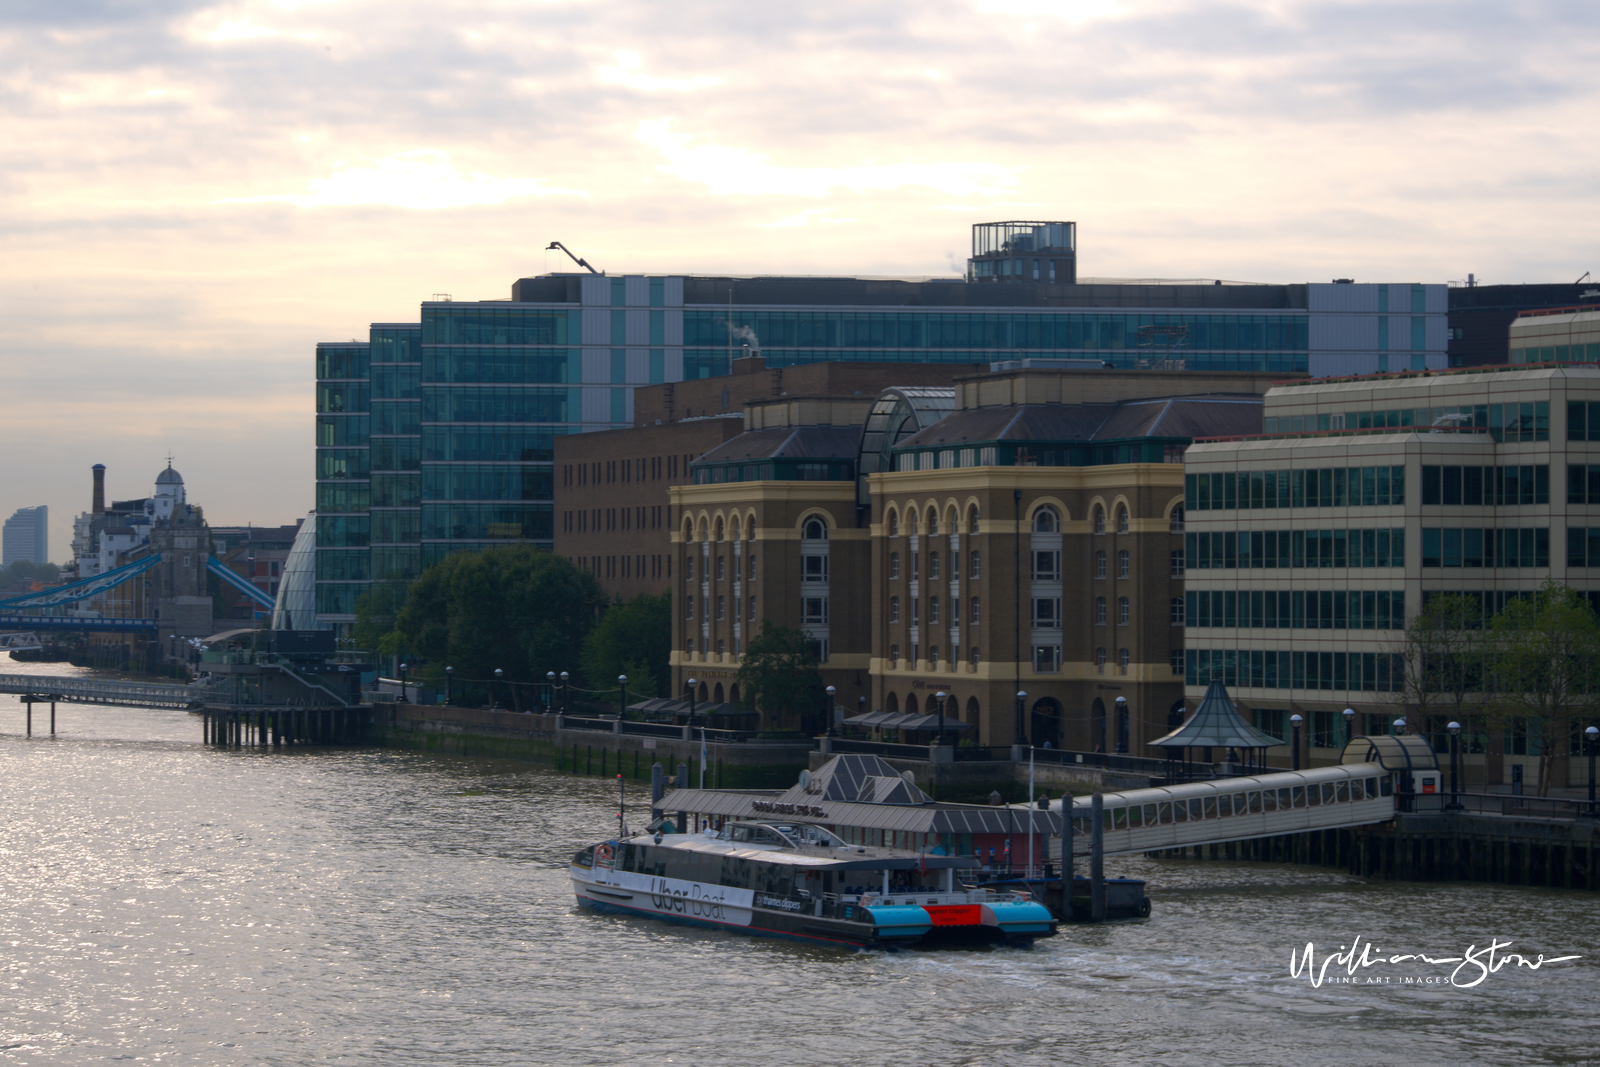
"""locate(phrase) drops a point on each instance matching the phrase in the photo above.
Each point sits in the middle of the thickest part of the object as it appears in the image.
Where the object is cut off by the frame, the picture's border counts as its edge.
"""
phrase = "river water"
(162, 902)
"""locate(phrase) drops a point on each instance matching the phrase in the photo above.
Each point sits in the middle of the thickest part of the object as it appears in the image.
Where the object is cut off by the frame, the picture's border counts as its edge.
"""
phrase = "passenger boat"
(801, 882)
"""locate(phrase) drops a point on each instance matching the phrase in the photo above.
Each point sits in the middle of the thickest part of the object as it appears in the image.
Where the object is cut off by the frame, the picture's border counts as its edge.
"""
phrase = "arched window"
(688, 530)
(1100, 563)
(972, 521)
(1122, 611)
(1176, 525)
(933, 522)
(1123, 564)
(1099, 520)
(719, 530)
(1045, 520)
(1122, 662)
(735, 529)
(814, 530)
(1122, 520)
(1099, 661)
(891, 703)
(894, 524)
(894, 609)
(1099, 611)
(911, 523)
(703, 530)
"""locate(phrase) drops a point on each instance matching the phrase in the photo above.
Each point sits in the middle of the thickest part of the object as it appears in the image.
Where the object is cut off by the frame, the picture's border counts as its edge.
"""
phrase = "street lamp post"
(1592, 735)
(1455, 771)
(1022, 713)
(1400, 727)
(404, 667)
(550, 677)
(1349, 724)
(827, 710)
(494, 697)
(690, 685)
(1295, 721)
(1122, 724)
(622, 697)
(563, 677)
(940, 697)
(448, 671)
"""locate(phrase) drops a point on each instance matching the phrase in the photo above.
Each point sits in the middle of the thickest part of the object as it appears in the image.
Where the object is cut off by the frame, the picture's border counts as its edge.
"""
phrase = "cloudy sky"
(193, 194)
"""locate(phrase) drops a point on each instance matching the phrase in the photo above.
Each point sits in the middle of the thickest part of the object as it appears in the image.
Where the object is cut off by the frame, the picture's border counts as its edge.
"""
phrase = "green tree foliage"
(22, 574)
(377, 612)
(1546, 665)
(633, 638)
(1441, 660)
(778, 675)
(520, 609)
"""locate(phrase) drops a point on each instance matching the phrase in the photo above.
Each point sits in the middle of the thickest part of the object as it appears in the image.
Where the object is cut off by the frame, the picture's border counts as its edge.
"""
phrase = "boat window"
(1297, 795)
(1165, 809)
(1225, 805)
(1386, 786)
(1371, 787)
(1122, 818)
(1135, 817)
(1283, 799)
(1194, 810)
(1180, 811)
(1149, 814)
(1106, 816)
(1269, 800)
(1241, 805)
(1210, 807)
(1080, 824)
(739, 833)
(1341, 792)
(1328, 793)
(1255, 803)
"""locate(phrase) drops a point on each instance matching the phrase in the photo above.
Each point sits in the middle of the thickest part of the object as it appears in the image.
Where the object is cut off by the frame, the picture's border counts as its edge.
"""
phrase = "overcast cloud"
(193, 194)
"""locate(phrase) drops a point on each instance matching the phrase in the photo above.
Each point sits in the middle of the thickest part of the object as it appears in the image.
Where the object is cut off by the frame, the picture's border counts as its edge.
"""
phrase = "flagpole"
(1030, 811)
(702, 757)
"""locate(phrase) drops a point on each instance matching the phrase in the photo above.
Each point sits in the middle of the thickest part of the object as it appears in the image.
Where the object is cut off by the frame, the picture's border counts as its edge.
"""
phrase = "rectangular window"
(1047, 566)
(814, 610)
(1047, 613)
(977, 611)
(975, 565)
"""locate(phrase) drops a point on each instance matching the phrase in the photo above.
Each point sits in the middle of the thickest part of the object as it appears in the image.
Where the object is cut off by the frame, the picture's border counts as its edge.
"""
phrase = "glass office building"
(437, 436)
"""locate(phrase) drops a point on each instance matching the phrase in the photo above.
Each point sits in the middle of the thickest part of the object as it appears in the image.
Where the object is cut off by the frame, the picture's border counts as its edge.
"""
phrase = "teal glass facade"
(344, 475)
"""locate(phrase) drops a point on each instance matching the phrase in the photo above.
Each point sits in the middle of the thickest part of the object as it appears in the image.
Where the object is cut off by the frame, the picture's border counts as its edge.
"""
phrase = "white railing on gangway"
(96, 690)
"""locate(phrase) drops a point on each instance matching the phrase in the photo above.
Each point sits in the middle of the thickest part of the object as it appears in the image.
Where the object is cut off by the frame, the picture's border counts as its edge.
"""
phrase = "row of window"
(1037, 455)
(950, 662)
(1252, 549)
(722, 570)
(1474, 547)
(989, 330)
(1284, 609)
(975, 570)
(447, 522)
(1379, 672)
(1491, 486)
(814, 610)
(1512, 423)
(595, 520)
(1317, 487)
(914, 616)
(641, 565)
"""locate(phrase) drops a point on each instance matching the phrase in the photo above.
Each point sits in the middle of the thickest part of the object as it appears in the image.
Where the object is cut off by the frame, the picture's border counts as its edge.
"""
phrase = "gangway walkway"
(56, 689)
(1233, 809)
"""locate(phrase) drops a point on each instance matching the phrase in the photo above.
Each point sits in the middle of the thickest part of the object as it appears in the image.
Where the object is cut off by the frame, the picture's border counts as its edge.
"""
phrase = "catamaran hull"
(720, 908)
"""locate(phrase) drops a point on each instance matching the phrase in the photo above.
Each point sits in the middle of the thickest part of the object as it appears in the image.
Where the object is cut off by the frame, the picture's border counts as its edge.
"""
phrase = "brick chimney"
(99, 506)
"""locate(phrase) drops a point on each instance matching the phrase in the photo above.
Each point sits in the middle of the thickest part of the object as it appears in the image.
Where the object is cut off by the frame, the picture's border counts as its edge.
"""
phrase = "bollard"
(658, 788)
(1097, 871)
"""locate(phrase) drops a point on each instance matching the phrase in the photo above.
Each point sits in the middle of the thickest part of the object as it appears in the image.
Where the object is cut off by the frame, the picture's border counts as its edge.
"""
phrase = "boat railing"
(960, 896)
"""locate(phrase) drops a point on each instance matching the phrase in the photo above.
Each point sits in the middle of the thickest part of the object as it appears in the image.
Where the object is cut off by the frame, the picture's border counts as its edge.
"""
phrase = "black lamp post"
(1592, 736)
(448, 671)
(1455, 772)
(550, 677)
(1294, 722)
(1349, 725)
(1122, 724)
(690, 684)
(495, 695)
(827, 710)
(563, 677)
(940, 697)
(404, 667)
(1022, 716)
(622, 697)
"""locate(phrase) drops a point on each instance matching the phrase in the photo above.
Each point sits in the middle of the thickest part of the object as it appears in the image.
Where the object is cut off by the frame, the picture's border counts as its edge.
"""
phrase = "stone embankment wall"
(539, 739)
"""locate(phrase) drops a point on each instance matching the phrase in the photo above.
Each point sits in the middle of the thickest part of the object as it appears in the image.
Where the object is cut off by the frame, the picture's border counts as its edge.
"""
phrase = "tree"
(1441, 659)
(635, 639)
(519, 609)
(1545, 652)
(377, 610)
(778, 675)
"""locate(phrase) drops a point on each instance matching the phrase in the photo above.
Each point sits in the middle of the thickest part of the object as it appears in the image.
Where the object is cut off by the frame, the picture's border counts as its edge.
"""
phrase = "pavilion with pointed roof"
(1216, 724)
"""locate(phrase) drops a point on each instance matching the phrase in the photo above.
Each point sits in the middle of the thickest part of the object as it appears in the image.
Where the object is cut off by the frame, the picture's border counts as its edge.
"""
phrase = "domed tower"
(169, 494)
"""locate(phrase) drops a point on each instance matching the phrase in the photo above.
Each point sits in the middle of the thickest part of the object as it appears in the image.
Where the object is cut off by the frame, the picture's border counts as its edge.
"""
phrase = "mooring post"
(658, 788)
(1066, 855)
(52, 718)
(1097, 869)
(683, 783)
(29, 703)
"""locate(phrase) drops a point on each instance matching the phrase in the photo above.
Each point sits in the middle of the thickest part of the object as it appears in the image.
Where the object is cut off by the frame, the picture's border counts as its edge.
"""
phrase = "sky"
(193, 194)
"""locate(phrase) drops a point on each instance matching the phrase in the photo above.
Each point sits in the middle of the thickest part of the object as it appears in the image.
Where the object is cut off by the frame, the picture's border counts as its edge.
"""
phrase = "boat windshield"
(806, 834)
(792, 835)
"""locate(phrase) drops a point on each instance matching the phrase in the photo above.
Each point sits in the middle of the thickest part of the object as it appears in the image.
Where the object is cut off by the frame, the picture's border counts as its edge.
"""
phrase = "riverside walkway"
(54, 689)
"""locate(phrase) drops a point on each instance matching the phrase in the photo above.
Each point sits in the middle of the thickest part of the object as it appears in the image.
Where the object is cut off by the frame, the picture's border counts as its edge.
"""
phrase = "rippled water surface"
(166, 903)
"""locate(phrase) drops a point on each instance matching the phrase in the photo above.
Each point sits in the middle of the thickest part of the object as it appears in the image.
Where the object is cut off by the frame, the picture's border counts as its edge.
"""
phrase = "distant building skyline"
(27, 536)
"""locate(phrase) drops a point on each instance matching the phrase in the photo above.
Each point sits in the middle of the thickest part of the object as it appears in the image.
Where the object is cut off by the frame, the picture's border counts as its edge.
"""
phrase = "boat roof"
(848, 858)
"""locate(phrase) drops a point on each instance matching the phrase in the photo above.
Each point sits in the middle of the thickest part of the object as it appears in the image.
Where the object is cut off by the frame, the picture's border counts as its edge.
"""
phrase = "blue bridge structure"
(16, 613)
